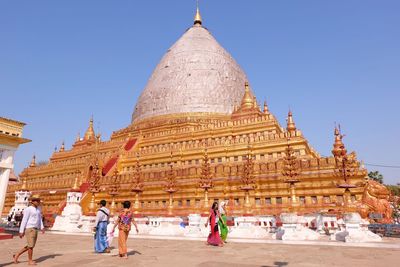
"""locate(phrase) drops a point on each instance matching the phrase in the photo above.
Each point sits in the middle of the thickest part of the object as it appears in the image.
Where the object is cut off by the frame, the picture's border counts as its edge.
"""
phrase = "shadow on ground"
(133, 252)
(38, 260)
(218, 264)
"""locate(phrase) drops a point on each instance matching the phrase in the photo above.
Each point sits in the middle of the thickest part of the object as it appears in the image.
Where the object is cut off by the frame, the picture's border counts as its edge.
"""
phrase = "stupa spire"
(75, 186)
(62, 148)
(247, 101)
(33, 162)
(291, 126)
(24, 186)
(338, 146)
(265, 107)
(90, 135)
(197, 17)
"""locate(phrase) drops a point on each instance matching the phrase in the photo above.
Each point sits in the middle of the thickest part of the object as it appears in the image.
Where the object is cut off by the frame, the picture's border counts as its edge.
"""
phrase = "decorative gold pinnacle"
(24, 186)
(137, 185)
(197, 17)
(247, 100)
(265, 107)
(75, 187)
(291, 126)
(206, 175)
(33, 162)
(62, 148)
(90, 135)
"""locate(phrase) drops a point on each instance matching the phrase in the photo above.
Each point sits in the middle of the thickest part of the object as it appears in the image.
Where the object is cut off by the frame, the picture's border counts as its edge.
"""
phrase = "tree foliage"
(376, 176)
(394, 189)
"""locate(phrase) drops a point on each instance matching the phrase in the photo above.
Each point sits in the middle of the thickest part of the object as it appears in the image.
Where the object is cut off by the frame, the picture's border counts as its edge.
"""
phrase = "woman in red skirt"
(214, 238)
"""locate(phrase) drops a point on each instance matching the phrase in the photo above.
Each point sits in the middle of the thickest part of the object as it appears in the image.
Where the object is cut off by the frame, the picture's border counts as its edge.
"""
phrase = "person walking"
(222, 223)
(30, 225)
(100, 237)
(124, 221)
(214, 237)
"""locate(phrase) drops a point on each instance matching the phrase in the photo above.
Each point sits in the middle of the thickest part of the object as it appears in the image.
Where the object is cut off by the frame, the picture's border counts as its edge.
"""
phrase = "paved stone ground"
(67, 250)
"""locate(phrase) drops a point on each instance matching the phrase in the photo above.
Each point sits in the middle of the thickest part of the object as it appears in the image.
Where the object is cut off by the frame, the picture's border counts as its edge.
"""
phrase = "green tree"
(394, 189)
(376, 176)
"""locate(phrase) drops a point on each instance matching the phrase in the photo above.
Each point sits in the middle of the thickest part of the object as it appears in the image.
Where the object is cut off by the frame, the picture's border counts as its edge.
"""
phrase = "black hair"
(214, 205)
(103, 203)
(126, 204)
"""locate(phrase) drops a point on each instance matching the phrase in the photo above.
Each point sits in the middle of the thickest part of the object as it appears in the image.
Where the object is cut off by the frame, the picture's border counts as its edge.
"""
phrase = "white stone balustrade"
(247, 227)
(293, 228)
(327, 224)
(354, 231)
(168, 226)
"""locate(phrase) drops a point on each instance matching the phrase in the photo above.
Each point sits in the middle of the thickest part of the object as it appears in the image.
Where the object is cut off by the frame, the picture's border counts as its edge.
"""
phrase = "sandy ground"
(67, 250)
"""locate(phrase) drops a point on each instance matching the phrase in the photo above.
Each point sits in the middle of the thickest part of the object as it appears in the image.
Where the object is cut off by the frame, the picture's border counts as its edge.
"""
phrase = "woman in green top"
(222, 225)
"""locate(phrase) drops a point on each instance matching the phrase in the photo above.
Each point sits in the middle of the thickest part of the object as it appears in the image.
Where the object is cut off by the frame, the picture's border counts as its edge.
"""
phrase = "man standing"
(102, 218)
(30, 225)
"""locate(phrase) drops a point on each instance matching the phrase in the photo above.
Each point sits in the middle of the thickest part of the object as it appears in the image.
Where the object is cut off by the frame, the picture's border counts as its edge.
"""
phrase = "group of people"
(124, 221)
(32, 222)
(218, 224)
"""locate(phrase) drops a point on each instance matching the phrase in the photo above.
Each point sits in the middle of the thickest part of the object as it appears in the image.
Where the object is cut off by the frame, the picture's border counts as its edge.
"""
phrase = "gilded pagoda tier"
(228, 145)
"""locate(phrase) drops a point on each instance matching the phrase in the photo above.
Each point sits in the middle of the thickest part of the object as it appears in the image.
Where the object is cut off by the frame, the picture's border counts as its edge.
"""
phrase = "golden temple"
(197, 135)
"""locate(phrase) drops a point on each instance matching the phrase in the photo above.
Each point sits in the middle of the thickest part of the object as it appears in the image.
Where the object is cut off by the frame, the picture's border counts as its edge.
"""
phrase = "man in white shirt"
(31, 223)
(102, 217)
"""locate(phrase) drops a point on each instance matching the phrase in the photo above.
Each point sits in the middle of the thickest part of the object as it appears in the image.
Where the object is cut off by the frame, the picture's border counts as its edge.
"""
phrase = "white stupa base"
(248, 232)
(293, 228)
(168, 226)
(295, 232)
(355, 230)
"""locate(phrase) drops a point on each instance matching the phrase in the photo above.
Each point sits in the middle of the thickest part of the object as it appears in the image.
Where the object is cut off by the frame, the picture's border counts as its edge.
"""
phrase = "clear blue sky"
(61, 61)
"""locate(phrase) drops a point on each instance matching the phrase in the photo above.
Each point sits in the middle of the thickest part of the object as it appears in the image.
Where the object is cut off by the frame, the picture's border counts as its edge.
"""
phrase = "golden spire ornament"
(291, 126)
(247, 100)
(90, 135)
(62, 148)
(197, 17)
(76, 185)
(33, 162)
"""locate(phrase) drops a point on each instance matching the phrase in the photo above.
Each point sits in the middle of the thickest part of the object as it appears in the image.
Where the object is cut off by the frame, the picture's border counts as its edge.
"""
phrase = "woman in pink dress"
(214, 238)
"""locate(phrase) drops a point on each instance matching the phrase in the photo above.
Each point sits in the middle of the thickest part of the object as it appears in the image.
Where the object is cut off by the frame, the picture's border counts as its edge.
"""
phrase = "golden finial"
(338, 146)
(33, 162)
(24, 186)
(255, 104)
(197, 17)
(290, 122)
(90, 135)
(62, 148)
(247, 101)
(265, 107)
(75, 187)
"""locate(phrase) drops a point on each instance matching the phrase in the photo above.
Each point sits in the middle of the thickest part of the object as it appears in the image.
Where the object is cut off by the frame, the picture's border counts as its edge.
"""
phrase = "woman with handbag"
(124, 221)
(214, 237)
